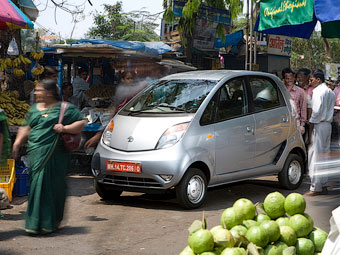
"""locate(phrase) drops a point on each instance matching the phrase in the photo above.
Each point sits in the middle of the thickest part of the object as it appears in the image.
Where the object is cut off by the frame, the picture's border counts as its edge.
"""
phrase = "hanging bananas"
(37, 70)
(18, 72)
(8, 62)
(37, 55)
(15, 109)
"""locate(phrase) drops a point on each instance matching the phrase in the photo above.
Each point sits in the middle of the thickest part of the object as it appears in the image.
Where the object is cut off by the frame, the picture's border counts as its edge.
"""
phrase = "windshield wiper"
(171, 107)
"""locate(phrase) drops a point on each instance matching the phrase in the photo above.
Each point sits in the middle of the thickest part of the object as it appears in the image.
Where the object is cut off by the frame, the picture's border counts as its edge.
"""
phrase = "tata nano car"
(194, 130)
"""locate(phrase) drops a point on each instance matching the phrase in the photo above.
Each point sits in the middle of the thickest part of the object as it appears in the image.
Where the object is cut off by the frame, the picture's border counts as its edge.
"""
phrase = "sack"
(71, 141)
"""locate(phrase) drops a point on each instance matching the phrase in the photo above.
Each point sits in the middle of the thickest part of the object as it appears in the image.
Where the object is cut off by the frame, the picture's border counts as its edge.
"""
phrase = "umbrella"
(11, 16)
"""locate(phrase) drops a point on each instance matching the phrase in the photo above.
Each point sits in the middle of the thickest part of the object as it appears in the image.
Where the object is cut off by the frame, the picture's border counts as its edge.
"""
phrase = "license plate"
(120, 166)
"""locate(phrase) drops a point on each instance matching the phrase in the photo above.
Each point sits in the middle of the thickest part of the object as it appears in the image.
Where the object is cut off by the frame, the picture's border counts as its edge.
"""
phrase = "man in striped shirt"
(298, 96)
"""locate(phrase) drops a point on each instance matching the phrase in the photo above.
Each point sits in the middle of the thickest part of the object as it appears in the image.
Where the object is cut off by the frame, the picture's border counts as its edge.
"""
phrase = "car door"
(271, 119)
(234, 129)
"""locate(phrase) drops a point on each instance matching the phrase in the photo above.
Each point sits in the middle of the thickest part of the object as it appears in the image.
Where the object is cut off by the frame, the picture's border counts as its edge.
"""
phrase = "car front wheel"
(105, 193)
(192, 189)
(292, 173)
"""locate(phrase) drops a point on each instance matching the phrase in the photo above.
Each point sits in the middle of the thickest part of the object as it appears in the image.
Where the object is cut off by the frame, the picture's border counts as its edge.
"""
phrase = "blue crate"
(22, 185)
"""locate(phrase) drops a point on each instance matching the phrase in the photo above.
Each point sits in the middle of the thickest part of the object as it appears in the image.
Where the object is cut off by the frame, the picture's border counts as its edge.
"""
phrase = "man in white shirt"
(323, 100)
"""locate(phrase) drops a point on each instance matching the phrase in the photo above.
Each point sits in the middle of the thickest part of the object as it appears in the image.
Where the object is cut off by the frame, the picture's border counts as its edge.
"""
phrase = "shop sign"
(279, 45)
(285, 12)
(204, 12)
(204, 34)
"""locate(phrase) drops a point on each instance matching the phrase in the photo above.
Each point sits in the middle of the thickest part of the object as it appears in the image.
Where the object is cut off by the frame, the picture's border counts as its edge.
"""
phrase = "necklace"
(45, 114)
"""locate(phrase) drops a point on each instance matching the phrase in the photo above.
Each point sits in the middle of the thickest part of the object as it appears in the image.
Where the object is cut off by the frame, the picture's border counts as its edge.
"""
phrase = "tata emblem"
(130, 139)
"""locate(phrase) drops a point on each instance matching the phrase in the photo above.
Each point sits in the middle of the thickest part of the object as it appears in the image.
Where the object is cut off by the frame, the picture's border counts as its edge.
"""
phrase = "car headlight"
(172, 135)
(107, 134)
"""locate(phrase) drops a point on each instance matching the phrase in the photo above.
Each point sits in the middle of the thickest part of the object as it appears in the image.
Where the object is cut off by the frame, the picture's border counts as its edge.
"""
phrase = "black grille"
(131, 181)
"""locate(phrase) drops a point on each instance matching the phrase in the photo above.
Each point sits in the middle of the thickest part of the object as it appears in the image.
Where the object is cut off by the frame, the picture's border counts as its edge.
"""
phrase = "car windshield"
(175, 96)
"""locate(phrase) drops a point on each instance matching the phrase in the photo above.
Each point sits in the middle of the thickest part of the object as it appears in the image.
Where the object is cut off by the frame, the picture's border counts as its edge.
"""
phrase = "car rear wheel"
(105, 193)
(292, 173)
(192, 189)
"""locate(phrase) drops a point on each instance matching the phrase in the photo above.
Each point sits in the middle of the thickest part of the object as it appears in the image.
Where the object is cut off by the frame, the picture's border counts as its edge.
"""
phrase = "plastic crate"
(22, 185)
(7, 177)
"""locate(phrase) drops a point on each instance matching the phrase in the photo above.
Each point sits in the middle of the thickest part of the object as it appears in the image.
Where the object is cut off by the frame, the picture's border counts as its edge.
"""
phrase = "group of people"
(314, 102)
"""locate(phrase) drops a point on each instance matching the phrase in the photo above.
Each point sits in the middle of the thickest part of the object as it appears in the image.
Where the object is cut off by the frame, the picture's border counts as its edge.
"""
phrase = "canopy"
(11, 16)
(298, 18)
(152, 48)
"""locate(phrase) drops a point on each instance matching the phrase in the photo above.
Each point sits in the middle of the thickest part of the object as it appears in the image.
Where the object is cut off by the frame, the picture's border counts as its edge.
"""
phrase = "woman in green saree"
(47, 157)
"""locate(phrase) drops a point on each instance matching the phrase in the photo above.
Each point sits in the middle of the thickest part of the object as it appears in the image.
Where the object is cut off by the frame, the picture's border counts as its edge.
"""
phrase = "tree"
(186, 23)
(114, 24)
(315, 52)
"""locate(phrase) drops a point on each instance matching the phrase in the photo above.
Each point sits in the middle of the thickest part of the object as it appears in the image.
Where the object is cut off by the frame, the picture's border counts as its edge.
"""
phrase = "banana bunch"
(3, 65)
(18, 72)
(37, 55)
(37, 70)
(24, 60)
(15, 109)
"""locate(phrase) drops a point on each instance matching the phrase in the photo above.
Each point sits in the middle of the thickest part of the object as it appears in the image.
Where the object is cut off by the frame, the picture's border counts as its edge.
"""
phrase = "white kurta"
(322, 114)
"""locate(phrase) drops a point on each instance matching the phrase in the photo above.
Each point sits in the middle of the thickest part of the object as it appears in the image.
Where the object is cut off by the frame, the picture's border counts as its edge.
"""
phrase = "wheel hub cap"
(294, 172)
(195, 189)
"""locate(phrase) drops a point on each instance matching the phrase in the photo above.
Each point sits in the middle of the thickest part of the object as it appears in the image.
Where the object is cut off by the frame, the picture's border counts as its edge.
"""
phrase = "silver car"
(194, 130)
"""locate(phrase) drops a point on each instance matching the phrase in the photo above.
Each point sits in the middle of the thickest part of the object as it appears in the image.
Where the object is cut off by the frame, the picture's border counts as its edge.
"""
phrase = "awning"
(11, 16)
(293, 18)
(230, 40)
(304, 30)
(152, 48)
(29, 8)
(328, 13)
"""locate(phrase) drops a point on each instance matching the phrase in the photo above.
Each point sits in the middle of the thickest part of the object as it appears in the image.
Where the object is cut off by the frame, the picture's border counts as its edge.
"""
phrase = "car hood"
(134, 133)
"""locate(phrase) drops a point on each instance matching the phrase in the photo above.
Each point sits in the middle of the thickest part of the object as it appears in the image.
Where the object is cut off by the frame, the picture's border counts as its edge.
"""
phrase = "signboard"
(279, 45)
(205, 12)
(332, 71)
(285, 12)
(204, 34)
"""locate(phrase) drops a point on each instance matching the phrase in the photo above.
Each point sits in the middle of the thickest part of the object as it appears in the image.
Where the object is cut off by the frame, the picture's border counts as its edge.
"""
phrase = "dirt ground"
(136, 223)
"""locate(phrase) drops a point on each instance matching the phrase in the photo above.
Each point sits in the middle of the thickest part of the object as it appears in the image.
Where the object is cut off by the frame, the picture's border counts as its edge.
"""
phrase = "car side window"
(208, 115)
(235, 103)
(265, 94)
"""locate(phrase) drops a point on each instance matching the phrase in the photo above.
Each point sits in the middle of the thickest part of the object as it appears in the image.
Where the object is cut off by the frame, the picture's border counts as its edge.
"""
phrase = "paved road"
(137, 223)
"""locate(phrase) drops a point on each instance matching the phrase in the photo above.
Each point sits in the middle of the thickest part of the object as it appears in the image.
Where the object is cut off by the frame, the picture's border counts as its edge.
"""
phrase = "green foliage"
(186, 23)
(113, 24)
(311, 53)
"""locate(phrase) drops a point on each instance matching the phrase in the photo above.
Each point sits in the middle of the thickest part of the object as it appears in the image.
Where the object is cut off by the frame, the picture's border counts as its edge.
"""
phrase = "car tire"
(292, 173)
(104, 193)
(192, 189)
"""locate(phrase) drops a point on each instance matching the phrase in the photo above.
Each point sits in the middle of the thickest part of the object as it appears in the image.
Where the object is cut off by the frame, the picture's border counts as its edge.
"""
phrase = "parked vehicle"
(199, 129)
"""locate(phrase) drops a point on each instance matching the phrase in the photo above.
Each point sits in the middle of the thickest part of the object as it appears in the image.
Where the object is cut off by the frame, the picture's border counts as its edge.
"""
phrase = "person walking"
(323, 100)
(298, 96)
(47, 157)
(302, 78)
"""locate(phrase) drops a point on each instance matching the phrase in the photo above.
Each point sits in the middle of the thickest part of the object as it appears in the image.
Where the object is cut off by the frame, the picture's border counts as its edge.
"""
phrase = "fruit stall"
(278, 226)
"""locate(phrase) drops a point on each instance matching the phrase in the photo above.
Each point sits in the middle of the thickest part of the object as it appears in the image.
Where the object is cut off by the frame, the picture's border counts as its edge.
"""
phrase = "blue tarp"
(152, 48)
(327, 10)
(230, 40)
(303, 31)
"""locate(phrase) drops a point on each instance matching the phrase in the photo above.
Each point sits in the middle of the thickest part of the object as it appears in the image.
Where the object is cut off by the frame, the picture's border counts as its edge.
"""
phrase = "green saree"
(48, 167)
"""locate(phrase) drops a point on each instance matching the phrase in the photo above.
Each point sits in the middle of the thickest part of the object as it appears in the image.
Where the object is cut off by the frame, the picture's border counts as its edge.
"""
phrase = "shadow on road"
(218, 198)
(65, 231)
(80, 185)
(13, 217)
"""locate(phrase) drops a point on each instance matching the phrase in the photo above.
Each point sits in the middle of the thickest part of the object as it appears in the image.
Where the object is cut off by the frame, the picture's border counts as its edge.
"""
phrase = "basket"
(22, 185)
(7, 177)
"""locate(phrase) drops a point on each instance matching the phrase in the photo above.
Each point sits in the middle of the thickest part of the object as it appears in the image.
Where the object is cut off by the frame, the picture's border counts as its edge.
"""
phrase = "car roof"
(210, 74)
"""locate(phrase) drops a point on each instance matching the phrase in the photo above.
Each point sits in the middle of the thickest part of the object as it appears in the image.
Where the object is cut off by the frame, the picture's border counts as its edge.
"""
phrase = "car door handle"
(250, 130)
